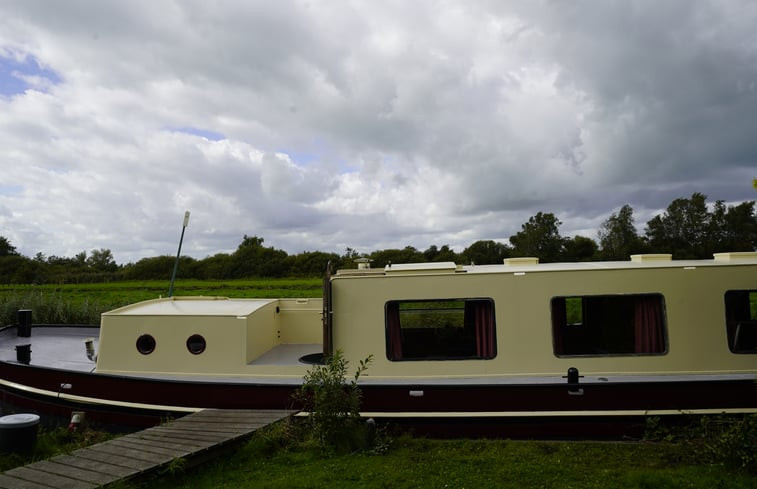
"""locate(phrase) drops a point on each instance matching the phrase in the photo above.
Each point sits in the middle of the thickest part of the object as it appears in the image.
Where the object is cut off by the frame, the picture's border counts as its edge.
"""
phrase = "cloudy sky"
(321, 125)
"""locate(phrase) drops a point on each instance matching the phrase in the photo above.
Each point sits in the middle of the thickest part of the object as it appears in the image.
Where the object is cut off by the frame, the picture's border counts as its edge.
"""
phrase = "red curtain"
(648, 325)
(394, 331)
(479, 312)
(485, 345)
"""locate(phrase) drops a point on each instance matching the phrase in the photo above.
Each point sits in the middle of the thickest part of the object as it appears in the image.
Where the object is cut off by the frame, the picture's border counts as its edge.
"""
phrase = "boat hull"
(450, 409)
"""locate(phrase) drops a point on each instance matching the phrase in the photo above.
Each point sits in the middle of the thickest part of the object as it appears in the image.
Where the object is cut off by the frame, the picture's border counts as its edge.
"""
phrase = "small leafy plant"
(333, 403)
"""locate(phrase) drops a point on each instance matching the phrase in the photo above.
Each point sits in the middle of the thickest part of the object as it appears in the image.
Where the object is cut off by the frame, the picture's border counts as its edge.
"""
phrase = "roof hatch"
(520, 261)
(434, 267)
(735, 255)
(651, 257)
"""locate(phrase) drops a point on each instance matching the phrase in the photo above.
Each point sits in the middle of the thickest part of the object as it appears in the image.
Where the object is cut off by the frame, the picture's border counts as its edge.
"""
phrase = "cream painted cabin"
(519, 301)
(210, 336)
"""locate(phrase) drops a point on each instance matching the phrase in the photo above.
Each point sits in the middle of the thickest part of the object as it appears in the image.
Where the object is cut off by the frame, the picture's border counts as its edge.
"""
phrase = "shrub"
(333, 404)
(725, 440)
(731, 441)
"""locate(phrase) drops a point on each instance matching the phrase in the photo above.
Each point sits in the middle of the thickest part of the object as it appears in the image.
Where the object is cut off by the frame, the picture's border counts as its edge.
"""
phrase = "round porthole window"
(196, 344)
(145, 344)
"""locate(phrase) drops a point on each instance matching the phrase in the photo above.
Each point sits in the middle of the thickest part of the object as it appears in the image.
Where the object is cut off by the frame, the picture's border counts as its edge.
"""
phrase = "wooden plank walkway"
(196, 437)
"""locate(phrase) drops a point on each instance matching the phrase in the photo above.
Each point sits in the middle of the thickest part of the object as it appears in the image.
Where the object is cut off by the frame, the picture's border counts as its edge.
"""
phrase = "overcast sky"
(371, 125)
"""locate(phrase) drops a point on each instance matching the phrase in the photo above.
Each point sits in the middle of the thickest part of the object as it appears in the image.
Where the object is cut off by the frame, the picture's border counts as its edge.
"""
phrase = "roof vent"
(735, 255)
(651, 257)
(524, 260)
(363, 263)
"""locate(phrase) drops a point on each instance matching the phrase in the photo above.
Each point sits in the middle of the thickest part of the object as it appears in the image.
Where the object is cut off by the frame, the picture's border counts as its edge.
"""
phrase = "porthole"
(145, 344)
(196, 344)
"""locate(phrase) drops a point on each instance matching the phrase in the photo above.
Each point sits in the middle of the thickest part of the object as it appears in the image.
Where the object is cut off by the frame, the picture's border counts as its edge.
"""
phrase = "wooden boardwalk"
(195, 438)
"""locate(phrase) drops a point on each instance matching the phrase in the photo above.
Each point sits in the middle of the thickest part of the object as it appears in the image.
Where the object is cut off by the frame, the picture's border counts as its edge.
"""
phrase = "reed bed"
(83, 303)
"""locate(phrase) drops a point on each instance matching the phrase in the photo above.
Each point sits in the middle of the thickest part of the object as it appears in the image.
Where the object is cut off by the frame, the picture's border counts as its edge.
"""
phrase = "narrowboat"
(537, 348)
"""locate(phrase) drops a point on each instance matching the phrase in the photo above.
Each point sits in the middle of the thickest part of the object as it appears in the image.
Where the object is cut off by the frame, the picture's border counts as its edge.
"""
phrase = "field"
(275, 458)
(83, 303)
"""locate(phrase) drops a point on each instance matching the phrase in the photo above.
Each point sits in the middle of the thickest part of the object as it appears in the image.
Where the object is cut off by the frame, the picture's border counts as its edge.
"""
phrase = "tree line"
(689, 228)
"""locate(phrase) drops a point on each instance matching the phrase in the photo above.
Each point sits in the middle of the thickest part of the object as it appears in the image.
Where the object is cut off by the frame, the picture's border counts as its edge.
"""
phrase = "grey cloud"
(368, 125)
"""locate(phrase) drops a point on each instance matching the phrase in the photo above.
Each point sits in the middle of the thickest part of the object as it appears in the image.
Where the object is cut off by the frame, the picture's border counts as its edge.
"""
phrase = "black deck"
(52, 346)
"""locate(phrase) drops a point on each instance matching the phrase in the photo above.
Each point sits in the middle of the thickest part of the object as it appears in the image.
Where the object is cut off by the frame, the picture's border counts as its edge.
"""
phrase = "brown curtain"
(394, 333)
(559, 321)
(648, 325)
(485, 345)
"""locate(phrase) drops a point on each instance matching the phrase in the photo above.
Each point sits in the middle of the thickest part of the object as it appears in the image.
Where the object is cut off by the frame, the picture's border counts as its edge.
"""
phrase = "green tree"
(154, 268)
(217, 266)
(408, 254)
(252, 259)
(6, 248)
(540, 237)
(741, 227)
(102, 261)
(436, 254)
(17, 269)
(312, 263)
(486, 252)
(618, 237)
(580, 248)
(683, 230)
(732, 228)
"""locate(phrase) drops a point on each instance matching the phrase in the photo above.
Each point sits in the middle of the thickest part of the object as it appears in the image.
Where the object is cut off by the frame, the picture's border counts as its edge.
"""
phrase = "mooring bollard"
(24, 353)
(24, 323)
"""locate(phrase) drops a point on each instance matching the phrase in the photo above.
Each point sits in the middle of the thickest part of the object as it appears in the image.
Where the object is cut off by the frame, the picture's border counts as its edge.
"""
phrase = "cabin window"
(631, 324)
(440, 329)
(741, 320)
(145, 344)
(196, 344)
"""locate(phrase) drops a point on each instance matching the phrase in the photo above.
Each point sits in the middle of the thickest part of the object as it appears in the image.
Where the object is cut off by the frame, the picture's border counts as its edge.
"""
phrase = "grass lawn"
(422, 463)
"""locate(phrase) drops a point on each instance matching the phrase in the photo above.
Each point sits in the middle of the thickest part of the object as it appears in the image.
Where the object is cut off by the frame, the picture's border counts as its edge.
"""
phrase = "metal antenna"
(178, 253)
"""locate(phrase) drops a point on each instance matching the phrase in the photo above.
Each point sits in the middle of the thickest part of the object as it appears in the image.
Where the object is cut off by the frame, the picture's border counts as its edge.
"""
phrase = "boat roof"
(531, 265)
(192, 306)
(636, 262)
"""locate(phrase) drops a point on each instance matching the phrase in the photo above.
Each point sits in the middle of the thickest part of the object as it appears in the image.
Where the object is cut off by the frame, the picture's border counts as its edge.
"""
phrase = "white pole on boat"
(178, 253)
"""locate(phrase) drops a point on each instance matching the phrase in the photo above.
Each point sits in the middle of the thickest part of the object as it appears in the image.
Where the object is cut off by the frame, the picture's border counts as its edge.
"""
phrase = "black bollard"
(24, 353)
(24, 323)
(573, 388)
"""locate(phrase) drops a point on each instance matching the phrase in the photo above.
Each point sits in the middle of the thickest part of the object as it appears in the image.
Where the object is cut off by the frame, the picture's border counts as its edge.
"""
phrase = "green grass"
(421, 463)
(83, 303)
(283, 456)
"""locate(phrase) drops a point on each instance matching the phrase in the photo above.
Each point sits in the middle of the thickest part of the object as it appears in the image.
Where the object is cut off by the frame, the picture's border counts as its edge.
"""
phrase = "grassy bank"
(83, 303)
(420, 463)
